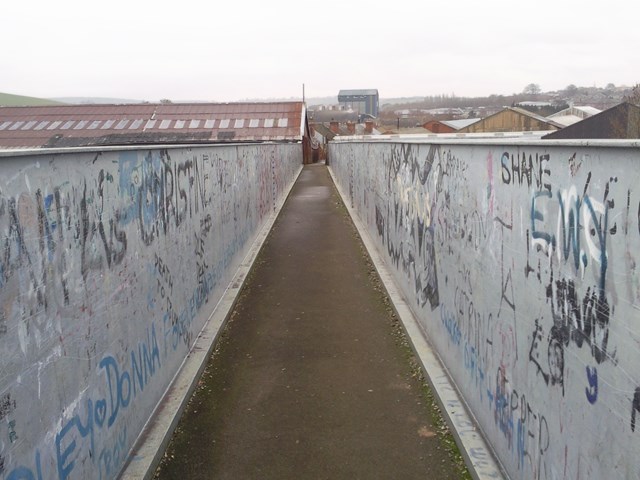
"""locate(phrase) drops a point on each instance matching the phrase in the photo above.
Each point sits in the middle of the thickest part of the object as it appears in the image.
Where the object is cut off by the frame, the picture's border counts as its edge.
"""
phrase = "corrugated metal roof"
(588, 110)
(84, 125)
(565, 120)
(621, 121)
(504, 120)
(458, 124)
(540, 118)
(573, 114)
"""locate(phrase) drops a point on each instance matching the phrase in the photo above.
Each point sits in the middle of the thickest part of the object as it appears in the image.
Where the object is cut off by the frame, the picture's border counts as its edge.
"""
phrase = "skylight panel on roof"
(179, 124)
(239, 123)
(41, 125)
(29, 125)
(95, 124)
(150, 124)
(108, 124)
(253, 123)
(268, 122)
(54, 125)
(4, 125)
(81, 124)
(209, 123)
(67, 125)
(283, 122)
(16, 125)
(122, 124)
(135, 124)
(164, 124)
(224, 123)
(194, 123)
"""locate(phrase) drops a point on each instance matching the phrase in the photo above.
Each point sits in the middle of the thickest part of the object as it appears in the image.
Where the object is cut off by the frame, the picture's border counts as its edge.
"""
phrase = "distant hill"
(96, 100)
(10, 100)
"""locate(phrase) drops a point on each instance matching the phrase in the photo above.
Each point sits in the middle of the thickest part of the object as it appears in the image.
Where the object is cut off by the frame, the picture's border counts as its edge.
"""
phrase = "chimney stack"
(351, 126)
(368, 127)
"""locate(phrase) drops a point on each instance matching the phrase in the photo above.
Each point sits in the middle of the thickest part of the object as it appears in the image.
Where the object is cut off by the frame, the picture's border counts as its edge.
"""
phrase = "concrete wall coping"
(507, 138)
(21, 152)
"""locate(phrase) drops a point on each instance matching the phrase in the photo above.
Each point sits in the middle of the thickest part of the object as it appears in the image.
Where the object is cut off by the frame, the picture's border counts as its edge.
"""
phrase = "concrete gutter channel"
(308, 380)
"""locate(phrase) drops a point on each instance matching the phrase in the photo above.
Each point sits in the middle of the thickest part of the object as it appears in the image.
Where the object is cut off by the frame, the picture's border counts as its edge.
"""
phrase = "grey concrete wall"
(111, 264)
(521, 264)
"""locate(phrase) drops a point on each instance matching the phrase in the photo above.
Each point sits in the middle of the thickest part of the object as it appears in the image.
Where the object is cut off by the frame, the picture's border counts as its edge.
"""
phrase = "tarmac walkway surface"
(312, 377)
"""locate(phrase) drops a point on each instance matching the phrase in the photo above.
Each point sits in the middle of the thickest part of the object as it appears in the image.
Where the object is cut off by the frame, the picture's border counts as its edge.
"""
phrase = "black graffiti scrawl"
(635, 408)
(404, 221)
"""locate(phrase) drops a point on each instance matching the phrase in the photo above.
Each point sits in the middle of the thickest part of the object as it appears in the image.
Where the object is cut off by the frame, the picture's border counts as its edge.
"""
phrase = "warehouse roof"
(461, 123)
(620, 121)
(89, 125)
(573, 114)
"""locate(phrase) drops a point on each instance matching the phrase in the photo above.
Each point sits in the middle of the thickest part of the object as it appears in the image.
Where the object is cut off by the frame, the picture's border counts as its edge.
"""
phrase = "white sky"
(232, 50)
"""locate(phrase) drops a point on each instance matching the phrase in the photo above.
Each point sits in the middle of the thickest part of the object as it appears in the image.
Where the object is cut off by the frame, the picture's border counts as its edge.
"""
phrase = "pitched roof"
(573, 114)
(620, 121)
(323, 130)
(520, 112)
(461, 123)
(540, 118)
(89, 125)
(587, 109)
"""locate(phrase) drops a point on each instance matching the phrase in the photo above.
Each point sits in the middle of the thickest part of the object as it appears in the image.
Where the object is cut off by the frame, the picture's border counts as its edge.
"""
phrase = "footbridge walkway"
(223, 293)
(312, 378)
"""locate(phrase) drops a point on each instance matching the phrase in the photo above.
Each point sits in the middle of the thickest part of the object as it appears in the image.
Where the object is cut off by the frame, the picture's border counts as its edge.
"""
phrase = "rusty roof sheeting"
(92, 125)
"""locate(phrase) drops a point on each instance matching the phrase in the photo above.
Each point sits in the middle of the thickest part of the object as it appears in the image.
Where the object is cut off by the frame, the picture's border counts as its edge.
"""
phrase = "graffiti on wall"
(533, 253)
(404, 222)
(110, 265)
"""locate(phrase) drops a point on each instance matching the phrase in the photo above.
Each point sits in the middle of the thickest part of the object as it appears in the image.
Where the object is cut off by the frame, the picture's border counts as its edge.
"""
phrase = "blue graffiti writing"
(121, 385)
(592, 390)
(514, 413)
(111, 458)
(164, 193)
(450, 323)
(473, 365)
(67, 451)
(24, 473)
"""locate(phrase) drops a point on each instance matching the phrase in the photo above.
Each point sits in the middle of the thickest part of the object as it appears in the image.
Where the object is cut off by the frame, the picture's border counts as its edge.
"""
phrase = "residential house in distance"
(621, 121)
(511, 119)
(153, 124)
(364, 102)
(321, 135)
(573, 114)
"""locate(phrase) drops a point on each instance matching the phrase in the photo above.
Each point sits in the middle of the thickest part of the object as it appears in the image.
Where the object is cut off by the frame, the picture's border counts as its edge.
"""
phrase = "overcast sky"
(233, 50)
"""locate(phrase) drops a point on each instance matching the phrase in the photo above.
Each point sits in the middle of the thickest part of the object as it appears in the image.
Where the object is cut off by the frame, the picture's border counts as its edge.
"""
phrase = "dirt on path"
(312, 377)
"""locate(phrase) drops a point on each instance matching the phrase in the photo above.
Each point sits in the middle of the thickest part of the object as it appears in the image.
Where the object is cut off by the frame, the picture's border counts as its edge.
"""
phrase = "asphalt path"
(312, 377)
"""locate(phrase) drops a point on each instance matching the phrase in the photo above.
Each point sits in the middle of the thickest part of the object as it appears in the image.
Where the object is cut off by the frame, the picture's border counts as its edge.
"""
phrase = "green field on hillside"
(9, 100)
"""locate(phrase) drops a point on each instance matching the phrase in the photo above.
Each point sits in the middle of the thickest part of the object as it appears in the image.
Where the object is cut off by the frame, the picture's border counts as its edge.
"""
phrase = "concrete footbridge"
(435, 307)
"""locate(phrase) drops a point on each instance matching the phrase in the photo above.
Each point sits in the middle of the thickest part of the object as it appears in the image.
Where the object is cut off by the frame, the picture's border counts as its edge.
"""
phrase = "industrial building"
(512, 119)
(140, 124)
(364, 102)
